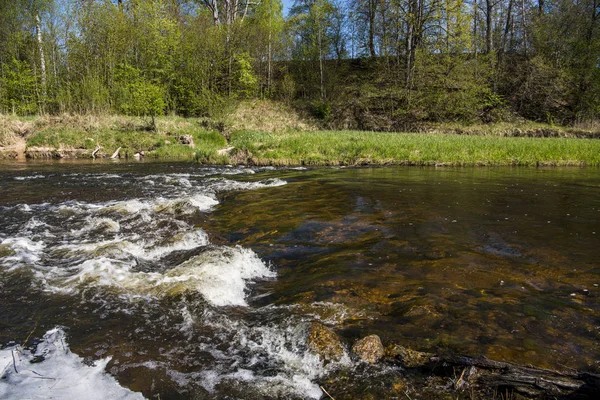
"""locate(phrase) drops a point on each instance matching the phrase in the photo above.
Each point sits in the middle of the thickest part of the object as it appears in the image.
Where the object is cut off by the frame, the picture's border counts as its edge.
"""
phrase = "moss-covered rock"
(369, 349)
(324, 342)
(408, 357)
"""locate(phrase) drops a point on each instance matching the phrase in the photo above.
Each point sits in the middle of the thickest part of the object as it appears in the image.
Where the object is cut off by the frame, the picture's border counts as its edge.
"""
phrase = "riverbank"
(249, 136)
(376, 148)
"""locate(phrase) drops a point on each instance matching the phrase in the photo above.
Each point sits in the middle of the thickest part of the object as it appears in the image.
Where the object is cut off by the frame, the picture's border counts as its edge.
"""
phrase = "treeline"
(371, 64)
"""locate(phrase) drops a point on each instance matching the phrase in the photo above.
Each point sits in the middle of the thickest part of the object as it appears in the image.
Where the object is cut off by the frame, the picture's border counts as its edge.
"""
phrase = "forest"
(352, 64)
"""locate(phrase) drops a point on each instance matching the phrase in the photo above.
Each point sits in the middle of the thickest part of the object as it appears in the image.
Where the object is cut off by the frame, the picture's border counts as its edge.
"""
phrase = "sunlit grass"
(128, 134)
(364, 148)
(476, 145)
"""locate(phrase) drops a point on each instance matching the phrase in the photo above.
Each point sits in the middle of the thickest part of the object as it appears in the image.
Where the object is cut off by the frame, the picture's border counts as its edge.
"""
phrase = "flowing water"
(181, 281)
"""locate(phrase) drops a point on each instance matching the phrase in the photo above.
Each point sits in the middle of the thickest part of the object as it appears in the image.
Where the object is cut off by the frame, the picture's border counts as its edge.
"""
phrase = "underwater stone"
(324, 342)
(369, 349)
(408, 357)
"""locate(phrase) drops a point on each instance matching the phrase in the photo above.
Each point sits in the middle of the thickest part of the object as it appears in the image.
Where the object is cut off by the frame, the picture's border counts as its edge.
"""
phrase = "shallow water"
(190, 281)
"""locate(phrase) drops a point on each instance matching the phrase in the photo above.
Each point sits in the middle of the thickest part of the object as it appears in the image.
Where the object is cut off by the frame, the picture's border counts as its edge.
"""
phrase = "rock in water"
(324, 342)
(407, 357)
(369, 349)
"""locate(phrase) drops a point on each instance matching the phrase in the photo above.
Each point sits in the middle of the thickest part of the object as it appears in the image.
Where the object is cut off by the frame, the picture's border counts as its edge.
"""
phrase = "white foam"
(133, 206)
(136, 247)
(223, 185)
(220, 275)
(179, 242)
(280, 345)
(33, 224)
(186, 204)
(61, 375)
(25, 252)
(29, 177)
(93, 224)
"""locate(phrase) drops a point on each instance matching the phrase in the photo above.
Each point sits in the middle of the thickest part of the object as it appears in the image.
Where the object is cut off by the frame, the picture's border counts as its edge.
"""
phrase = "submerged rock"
(324, 342)
(369, 349)
(407, 357)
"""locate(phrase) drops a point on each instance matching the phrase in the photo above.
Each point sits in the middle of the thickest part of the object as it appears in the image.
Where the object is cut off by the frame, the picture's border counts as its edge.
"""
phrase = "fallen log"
(484, 375)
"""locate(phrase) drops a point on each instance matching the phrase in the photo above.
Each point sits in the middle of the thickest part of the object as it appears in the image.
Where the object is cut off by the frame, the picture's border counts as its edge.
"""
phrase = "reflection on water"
(202, 282)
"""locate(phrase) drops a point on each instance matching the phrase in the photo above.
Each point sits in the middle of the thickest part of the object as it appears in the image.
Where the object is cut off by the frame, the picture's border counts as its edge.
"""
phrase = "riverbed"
(175, 280)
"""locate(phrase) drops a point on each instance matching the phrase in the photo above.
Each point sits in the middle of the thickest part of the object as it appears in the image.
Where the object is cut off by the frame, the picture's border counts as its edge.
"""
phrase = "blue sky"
(287, 4)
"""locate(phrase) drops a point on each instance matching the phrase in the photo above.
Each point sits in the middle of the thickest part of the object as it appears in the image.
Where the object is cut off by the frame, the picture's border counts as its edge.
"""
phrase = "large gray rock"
(369, 349)
(324, 342)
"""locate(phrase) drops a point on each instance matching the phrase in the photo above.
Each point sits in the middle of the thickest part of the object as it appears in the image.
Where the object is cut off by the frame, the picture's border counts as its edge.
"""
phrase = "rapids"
(181, 281)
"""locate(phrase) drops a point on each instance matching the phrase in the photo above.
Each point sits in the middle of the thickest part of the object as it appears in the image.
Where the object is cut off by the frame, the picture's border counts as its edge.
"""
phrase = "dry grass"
(267, 116)
(517, 129)
(12, 128)
(588, 125)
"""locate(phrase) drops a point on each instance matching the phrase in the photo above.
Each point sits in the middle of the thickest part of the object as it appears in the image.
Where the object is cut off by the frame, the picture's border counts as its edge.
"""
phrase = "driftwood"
(482, 374)
(115, 154)
(96, 150)
(224, 151)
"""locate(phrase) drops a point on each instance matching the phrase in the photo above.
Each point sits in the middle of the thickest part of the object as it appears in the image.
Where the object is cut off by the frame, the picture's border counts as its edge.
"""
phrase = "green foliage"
(140, 97)
(452, 88)
(246, 83)
(413, 62)
(18, 88)
(322, 110)
(287, 89)
(194, 101)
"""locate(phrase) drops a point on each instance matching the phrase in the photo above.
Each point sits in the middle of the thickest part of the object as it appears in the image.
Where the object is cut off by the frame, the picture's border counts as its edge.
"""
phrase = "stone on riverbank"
(186, 139)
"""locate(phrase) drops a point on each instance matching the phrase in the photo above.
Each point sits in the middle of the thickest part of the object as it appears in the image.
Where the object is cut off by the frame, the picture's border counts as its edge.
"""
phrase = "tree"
(141, 97)
(268, 23)
(311, 22)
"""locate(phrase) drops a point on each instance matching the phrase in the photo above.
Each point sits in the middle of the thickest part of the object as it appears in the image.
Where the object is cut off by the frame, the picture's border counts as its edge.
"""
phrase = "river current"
(173, 280)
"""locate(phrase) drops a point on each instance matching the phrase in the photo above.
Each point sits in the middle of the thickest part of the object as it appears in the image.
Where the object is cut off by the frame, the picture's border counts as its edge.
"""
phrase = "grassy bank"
(264, 133)
(365, 148)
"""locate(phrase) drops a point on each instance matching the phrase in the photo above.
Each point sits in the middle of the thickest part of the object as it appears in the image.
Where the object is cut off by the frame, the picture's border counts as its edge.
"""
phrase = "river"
(174, 280)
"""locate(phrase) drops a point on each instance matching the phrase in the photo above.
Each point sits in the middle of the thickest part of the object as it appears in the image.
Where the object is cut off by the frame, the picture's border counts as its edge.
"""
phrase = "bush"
(322, 110)
(17, 89)
(140, 97)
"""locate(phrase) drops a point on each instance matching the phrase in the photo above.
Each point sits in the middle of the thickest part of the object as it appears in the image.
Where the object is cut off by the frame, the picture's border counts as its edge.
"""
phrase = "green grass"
(111, 133)
(475, 145)
(365, 148)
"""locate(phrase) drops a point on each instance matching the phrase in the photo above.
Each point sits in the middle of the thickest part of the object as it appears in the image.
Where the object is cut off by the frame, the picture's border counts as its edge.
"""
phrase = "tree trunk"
(40, 43)
(321, 64)
(507, 26)
(524, 27)
(212, 5)
(269, 57)
(482, 375)
(413, 31)
(489, 7)
(372, 10)
(475, 20)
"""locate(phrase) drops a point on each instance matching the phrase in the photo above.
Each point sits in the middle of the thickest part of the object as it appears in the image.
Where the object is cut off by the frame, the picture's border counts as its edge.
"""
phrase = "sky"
(287, 4)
